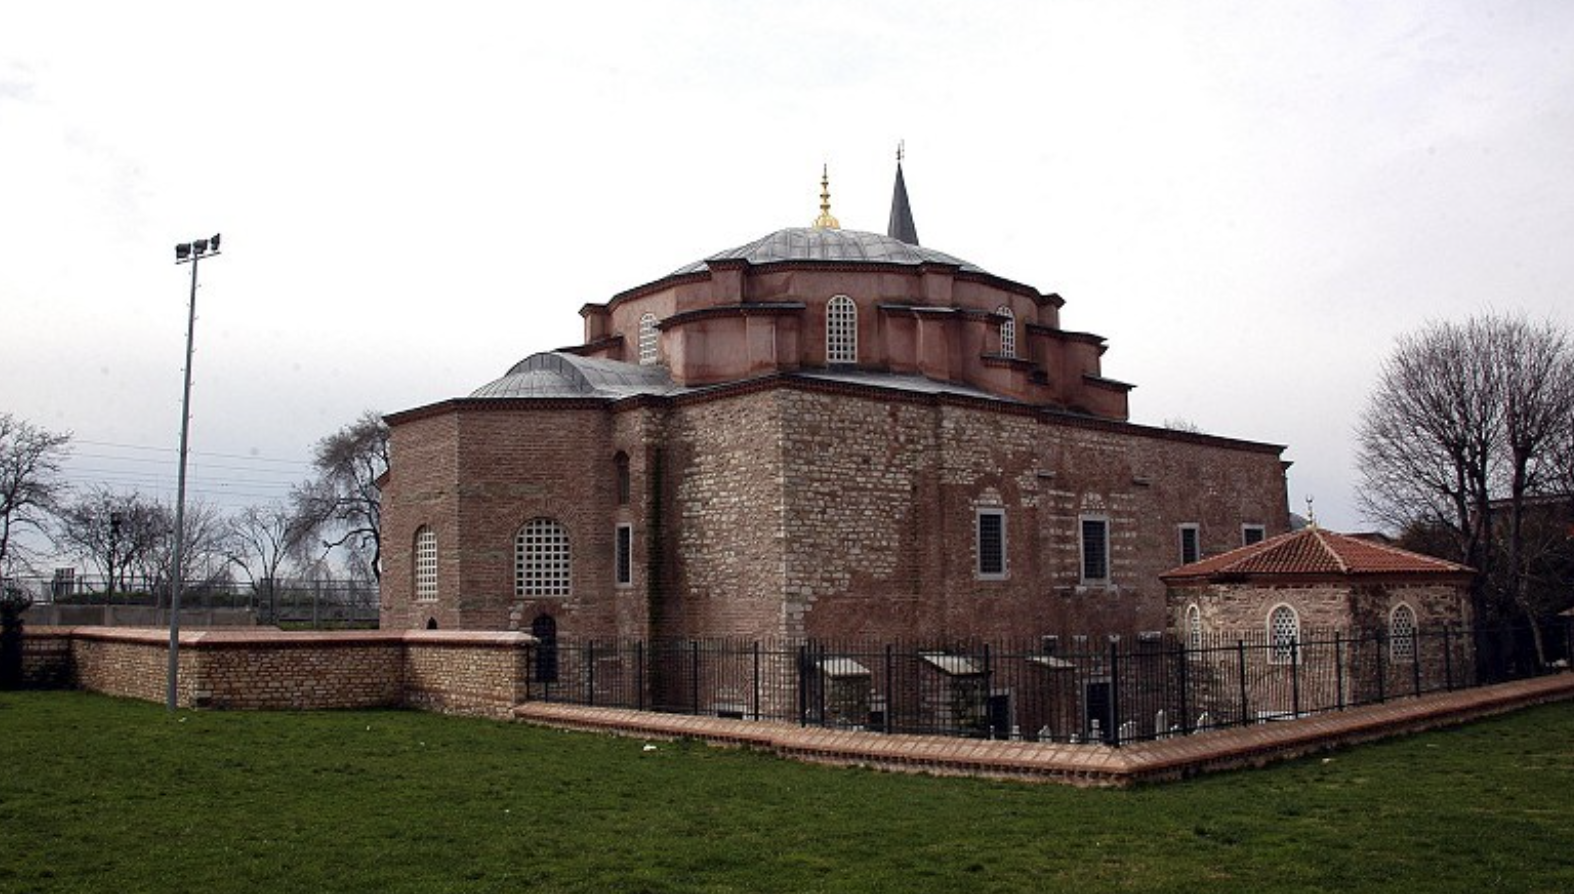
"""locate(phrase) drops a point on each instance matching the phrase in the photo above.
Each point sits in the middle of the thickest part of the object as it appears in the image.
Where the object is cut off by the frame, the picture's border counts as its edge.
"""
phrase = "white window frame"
(1082, 551)
(978, 544)
(1283, 649)
(1262, 534)
(543, 560)
(623, 555)
(1402, 640)
(424, 564)
(1193, 626)
(841, 330)
(649, 341)
(1008, 331)
(1195, 530)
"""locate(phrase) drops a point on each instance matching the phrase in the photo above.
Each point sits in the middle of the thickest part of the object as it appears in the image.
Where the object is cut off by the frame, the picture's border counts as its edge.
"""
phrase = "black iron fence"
(1113, 690)
(311, 602)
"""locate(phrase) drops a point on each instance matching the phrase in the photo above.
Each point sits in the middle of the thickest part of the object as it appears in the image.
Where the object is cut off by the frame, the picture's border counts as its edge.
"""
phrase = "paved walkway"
(1094, 765)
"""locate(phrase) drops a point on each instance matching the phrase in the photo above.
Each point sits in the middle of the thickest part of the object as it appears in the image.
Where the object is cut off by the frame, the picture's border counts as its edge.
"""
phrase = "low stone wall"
(454, 672)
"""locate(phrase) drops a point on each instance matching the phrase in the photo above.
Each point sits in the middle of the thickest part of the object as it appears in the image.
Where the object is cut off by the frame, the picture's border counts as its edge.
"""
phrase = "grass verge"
(99, 794)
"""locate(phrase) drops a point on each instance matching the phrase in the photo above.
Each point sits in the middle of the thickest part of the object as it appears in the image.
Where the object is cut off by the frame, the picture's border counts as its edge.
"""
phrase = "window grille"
(1252, 534)
(1402, 633)
(1193, 626)
(541, 559)
(1095, 550)
(841, 330)
(425, 564)
(1190, 550)
(623, 556)
(620, 468)
(1284, 632)
(1008, 331)
(991, 543)
(649, 340)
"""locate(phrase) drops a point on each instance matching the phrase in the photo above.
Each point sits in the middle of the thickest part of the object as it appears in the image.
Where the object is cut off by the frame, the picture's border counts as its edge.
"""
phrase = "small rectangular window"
(624, 556)
(1190, 551)
(992, 543)
(1095, 550)
(1252, 534)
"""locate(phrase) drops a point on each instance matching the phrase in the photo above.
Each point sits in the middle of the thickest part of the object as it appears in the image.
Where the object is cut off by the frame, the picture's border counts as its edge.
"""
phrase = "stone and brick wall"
(452, 672)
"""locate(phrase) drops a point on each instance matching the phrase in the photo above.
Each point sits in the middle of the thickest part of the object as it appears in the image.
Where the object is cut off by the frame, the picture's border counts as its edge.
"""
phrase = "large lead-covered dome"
(837, 246)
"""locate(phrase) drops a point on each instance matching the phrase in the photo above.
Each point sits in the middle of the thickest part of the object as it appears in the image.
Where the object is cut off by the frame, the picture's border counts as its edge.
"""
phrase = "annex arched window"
(649, 340)
(1008, 331)
(425, 564)
(841, 330)
(1402, 633)
(1193, 626)
(1284, 634)
(541, 559)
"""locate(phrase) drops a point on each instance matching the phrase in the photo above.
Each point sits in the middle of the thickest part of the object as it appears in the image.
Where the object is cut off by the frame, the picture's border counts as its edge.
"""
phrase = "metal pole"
(180, 498)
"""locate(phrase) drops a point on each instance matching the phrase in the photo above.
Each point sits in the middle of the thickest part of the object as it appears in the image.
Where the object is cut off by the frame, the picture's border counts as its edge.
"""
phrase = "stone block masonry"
(482, 673)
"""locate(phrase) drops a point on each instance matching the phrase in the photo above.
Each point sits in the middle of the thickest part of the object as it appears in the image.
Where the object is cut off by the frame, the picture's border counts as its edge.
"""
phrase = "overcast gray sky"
(1249, 200)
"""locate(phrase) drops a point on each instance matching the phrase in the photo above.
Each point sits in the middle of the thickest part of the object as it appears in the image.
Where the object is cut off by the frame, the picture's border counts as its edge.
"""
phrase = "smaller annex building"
(818, 434)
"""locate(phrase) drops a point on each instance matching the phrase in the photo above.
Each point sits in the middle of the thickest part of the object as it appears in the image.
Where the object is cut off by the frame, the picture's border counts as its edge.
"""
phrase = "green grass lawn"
(98, 794)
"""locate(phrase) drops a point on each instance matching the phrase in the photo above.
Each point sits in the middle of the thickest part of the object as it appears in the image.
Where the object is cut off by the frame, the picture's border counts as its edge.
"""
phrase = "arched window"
(1193, 626)
(649, 339)
(544, 629)
(1008, 331)
(841, 330)
(541, 559)
(1402, 633)
(1284, 634)
(431, 623)
(620, 469)
(425, 558)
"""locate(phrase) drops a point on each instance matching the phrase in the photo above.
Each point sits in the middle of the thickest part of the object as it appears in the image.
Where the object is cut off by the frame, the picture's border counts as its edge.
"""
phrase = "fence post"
(1415, 658)
(1240, 663)
(590, 671)
(890, 703)
(639, 673)
(1382, 672)
(803, 685)
(989, 687)
(1339, 668)
(1185, 674)
(819, 679)
(756, 679)
(694, 676)
(1295, 678)
(1114, 693)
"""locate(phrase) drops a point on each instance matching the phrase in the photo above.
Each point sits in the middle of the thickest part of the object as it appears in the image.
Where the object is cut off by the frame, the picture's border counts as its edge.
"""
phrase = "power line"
(144, 447)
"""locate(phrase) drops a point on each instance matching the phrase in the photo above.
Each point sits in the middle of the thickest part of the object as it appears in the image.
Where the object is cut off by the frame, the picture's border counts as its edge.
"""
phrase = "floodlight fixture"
(182, 252)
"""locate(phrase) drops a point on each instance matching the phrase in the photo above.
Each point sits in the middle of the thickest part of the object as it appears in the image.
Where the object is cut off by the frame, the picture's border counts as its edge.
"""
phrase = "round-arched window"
(841, 330)
(541, 559)
(1402, 633)
(1284, 634)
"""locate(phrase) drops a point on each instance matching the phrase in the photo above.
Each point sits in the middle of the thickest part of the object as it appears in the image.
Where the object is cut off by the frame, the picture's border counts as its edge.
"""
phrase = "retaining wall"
(452, 672)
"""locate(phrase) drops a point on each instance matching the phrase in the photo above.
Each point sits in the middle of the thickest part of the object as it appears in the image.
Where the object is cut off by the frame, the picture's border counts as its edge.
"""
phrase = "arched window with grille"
(620, 471)
(841, 330)
(649, 340)
(1284, 634)
(1402, 633)
(541, 559)
(1193, 626)
(425, 564)
(1008, 331)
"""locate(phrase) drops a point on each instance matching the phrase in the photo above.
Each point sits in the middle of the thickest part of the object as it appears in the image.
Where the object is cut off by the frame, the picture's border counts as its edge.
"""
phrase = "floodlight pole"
(186, 252)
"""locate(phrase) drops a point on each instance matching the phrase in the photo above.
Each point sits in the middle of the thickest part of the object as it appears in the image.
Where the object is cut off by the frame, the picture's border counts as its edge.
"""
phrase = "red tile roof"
(1315, 552)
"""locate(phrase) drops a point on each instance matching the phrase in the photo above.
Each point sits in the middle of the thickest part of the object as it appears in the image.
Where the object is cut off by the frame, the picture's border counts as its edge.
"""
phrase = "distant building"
(822, 433)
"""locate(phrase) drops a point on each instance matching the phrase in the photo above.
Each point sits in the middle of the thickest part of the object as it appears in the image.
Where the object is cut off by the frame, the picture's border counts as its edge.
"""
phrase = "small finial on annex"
(901, 150)
(825, 221)
(1311, 512)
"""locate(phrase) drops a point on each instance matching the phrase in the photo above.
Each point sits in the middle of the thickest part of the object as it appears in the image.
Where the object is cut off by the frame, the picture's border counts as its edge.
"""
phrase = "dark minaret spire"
(901, 226)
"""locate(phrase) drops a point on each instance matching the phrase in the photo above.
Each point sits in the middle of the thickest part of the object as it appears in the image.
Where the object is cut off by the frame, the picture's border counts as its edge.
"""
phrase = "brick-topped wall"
(450, 672)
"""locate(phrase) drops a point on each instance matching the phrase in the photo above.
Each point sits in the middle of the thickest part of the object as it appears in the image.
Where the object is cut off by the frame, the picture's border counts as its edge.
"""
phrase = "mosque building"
(820, 434)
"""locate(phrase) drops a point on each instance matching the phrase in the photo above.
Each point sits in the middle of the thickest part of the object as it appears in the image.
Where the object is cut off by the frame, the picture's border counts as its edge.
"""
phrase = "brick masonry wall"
(452, 672)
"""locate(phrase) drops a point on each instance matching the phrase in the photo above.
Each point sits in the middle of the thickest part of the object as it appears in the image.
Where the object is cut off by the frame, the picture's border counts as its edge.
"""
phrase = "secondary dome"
(836, 246)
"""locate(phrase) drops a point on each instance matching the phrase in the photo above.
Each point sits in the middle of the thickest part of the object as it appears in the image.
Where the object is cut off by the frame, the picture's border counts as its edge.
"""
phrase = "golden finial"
(1311, 514)
(825, 221)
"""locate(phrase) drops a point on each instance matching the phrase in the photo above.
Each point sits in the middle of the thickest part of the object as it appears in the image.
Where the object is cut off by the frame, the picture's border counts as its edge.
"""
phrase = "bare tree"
(202, 558)
(342, 506)
(1468, 423)
(30, 481)
(261, 541)
(116, 533)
